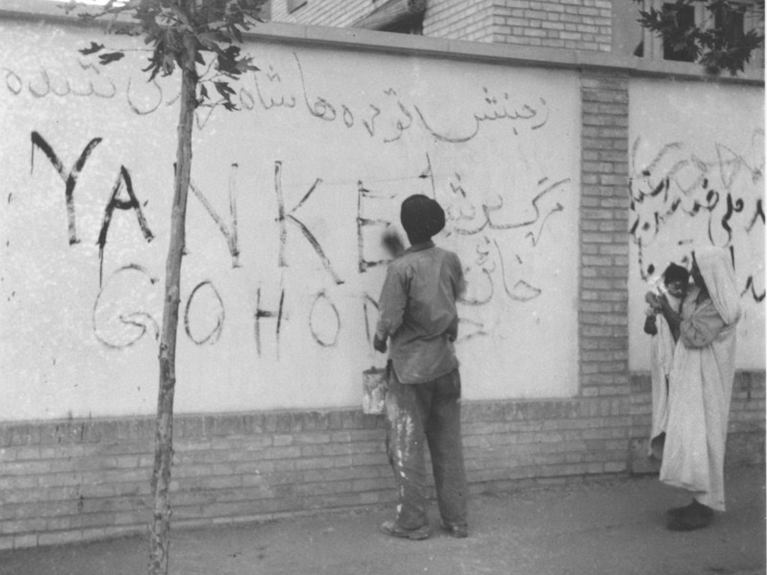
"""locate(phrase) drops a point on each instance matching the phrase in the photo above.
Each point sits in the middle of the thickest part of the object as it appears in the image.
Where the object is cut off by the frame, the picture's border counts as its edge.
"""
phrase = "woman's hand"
(649, 325)
(653, 300)
(673, 318)
(663, 303)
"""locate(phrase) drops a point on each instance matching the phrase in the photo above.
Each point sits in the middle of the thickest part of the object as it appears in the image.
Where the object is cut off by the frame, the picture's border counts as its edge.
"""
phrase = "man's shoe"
(391, 528)
(457, 531)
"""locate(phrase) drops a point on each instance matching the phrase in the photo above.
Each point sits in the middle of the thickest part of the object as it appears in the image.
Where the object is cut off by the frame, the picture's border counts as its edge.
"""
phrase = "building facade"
(594, 25)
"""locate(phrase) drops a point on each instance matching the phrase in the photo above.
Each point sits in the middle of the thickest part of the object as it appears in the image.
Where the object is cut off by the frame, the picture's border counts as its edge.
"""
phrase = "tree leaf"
(105, 59)
(223, 88)
(92, 49)
(245, 64)
(710, 43)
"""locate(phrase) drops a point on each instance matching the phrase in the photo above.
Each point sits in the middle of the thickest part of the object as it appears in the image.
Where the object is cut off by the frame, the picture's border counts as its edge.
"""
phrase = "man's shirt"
(417, 310)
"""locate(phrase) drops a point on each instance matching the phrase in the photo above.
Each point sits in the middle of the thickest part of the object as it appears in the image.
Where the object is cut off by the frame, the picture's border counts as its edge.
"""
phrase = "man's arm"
(459, 288)
(391, 308)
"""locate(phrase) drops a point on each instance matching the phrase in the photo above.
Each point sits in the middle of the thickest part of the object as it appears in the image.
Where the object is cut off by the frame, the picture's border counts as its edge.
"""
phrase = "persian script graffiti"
(494, 243)
(680, 200)
(385, 115)
(388, 115)
(86, 80)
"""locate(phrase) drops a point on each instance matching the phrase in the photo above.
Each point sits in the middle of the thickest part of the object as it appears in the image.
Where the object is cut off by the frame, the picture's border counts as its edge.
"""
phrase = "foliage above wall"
(718, 42)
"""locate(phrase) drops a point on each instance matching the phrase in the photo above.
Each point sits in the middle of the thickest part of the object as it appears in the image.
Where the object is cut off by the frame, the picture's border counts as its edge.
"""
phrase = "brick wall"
(570, 24)
(454, 19)
(603, 314)
(77, 480)
(745, 439)
(460, 20)
(338, 13)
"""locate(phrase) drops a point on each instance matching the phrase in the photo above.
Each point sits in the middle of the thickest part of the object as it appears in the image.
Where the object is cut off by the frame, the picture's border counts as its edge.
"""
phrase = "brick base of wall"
(76, 480)
(745, 438)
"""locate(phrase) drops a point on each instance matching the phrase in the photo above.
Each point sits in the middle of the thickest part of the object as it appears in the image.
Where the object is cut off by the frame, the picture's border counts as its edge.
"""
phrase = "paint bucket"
(374, 385)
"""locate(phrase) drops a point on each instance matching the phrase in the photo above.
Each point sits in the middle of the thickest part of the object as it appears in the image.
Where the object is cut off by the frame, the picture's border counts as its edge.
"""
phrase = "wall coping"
(392, 43)
(639, 379)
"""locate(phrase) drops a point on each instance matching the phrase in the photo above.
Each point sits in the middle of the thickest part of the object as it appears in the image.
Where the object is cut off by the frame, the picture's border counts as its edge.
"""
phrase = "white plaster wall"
(497, 146)
(697, 169)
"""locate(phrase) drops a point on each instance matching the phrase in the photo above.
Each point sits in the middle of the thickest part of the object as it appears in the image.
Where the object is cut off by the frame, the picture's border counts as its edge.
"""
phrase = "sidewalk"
(597, 528)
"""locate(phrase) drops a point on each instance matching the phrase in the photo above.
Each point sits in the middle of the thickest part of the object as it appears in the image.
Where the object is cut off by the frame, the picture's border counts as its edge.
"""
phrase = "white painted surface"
(707, 142)
(483, 138)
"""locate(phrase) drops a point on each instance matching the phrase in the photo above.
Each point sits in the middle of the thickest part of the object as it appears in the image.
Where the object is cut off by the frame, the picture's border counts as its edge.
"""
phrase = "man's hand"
(379, 344)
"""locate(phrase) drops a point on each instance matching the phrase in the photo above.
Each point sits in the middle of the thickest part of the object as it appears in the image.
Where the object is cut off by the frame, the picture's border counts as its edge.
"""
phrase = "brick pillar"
(604, 240)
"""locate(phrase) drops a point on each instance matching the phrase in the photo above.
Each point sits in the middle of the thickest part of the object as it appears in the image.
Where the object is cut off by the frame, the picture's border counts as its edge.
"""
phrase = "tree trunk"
(159, 536)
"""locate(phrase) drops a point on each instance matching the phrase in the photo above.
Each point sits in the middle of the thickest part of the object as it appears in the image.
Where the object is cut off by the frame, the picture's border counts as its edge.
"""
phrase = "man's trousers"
(416, 414)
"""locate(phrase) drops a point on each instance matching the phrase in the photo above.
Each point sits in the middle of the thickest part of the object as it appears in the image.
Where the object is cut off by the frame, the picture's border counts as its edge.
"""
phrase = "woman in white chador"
(675, 280)
(700, 387)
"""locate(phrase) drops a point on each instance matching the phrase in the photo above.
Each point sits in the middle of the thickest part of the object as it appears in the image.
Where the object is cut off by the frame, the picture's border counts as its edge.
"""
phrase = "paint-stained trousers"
(417, 414)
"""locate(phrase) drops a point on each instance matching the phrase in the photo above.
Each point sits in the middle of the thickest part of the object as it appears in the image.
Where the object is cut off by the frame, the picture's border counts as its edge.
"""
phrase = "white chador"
(700, 383)
(662, 358)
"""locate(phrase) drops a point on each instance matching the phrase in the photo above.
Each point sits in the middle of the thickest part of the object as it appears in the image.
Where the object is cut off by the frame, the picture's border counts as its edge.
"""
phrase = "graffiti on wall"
(390, 114)
(384, 116)
(284, 251)
(680, 199)
(494, 268)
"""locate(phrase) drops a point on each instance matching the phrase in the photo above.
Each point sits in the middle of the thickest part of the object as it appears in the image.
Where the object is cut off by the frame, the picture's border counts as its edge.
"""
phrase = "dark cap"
(422, 217)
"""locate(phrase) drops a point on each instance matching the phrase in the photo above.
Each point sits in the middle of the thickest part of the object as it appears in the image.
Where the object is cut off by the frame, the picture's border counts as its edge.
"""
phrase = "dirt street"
(594, 528)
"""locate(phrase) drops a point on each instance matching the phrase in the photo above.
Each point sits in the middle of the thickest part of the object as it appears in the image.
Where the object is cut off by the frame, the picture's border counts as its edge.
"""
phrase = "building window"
(685, 17)
(401, 16)
(743, 16)
(733, 24)
(294, 5)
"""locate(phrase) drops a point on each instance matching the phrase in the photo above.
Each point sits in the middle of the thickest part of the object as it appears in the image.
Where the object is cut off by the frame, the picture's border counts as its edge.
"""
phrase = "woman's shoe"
(689, 518)
(676, 511)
